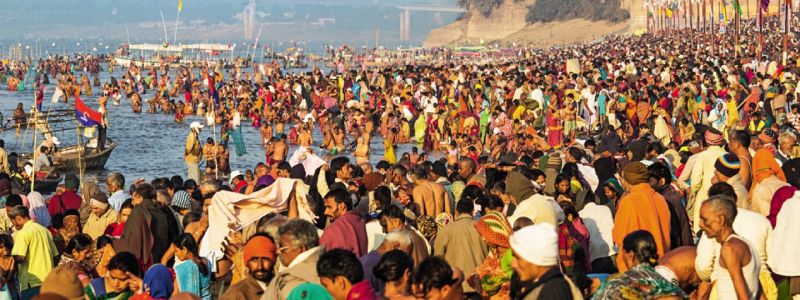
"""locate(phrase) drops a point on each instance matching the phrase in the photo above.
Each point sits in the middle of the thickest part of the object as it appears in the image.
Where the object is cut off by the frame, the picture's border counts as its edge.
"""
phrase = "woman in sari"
(556, 132)
(192, 272)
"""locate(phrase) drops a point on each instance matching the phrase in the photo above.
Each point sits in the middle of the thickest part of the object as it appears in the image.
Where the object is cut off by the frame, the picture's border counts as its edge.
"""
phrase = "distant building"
(249, 18)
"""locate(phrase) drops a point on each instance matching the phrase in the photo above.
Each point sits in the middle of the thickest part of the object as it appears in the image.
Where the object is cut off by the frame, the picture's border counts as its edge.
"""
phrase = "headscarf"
(309, 291)
(494, 228)
(88, 189)
(764, 166)
(158, 280)
(38, 209)
(537, 244)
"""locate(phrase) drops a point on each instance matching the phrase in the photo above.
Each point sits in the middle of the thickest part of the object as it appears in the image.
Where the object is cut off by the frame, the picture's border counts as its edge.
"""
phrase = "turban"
(537, 244)
(728, 164)
(99, 199)
(713, 138)
(635, 173)
(259, 246)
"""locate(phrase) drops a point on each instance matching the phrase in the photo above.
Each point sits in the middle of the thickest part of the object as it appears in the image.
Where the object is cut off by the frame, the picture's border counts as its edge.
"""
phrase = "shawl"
(781, 196)
(346, 232)
(238, 210)
(38, 209)
(89, 188)
(137, 238)
(782, 247)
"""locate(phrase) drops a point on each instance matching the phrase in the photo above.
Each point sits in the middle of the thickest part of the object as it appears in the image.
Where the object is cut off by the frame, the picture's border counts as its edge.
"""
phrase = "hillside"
(540, 22)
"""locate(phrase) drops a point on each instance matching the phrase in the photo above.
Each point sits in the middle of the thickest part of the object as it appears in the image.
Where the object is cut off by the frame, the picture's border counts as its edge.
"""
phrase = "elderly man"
(298, 255)
(727, 170)
(193, 151)
(702, 173)
(748, 224)
(786, 141)
(739, 263)
(259, 256)
(641, 209)
(535, 250)
(102, 215)
(115, 183)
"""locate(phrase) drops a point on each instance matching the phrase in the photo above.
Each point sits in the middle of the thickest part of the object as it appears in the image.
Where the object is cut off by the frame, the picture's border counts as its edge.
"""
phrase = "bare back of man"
(280, 150)
(430, 197)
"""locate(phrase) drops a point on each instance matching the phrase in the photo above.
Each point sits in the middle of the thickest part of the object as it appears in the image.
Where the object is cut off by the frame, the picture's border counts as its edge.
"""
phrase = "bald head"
(722, 205)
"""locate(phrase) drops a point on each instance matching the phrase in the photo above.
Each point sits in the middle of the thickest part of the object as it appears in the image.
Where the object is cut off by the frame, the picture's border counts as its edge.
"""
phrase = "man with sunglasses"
(298, 253)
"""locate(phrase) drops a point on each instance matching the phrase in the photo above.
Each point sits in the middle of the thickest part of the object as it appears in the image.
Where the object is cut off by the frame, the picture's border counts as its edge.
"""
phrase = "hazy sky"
(218, 20)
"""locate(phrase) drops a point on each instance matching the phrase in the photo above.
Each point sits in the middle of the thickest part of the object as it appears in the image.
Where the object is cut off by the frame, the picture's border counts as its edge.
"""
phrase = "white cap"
(233, 175)
(55, 141)
(196, 125)
(537, 244)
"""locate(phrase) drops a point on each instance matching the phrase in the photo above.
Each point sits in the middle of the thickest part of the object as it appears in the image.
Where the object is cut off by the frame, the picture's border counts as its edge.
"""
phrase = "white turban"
(537, 244)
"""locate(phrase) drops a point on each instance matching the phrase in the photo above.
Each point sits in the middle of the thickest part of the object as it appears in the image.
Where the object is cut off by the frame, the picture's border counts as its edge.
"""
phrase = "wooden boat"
(47, 186)
(85, 155)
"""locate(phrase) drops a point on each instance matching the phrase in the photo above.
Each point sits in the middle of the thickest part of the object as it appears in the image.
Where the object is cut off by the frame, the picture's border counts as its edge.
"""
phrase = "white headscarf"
(38, 209)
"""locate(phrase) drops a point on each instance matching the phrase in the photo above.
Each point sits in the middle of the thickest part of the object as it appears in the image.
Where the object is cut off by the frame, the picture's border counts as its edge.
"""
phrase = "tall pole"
(787, 12)
(704, 17)
(736, 27)
(760, 25)
(175, 38)
(166, 39)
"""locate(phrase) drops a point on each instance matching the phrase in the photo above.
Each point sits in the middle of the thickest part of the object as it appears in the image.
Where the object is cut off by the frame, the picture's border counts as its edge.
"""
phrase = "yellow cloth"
(35, 243)
(388, 154)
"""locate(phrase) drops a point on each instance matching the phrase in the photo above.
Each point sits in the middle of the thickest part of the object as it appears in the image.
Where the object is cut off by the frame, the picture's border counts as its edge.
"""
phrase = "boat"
(155, 55)
(82, 156)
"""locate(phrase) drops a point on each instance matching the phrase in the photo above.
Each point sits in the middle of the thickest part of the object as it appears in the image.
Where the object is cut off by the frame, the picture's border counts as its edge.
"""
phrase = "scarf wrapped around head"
(764, 166)
(494, 228)
(713, 137)
(781, 196)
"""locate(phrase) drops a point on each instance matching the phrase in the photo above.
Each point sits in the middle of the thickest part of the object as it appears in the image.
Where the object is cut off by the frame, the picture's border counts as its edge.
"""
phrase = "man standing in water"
(193, 151)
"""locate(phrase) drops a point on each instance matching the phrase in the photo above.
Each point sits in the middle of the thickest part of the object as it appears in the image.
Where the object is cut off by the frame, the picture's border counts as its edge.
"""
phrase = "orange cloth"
(641, 209)
(259, 246)
(764, 165)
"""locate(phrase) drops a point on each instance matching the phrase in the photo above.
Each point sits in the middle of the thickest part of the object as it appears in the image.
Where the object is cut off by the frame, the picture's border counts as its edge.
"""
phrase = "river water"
(148, 145)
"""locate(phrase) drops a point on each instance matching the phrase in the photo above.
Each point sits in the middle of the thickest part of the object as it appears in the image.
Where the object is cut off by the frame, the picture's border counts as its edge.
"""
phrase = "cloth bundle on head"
(427, 227)
(713, 137)
(99, 199)
(181, 199)
(494, 228)
(196, 125)
(635, 173)
(537, 244)
(728, 164)
(64, 282)
(259, 246)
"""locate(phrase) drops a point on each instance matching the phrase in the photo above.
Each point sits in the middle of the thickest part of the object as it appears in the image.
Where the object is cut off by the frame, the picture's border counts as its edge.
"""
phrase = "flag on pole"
(765, 5)
(737, 7)
(180, 5)
(724, 11)
(85, 115)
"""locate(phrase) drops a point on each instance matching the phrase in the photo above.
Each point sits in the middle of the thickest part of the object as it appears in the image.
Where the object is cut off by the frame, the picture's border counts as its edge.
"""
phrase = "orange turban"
(259, 246)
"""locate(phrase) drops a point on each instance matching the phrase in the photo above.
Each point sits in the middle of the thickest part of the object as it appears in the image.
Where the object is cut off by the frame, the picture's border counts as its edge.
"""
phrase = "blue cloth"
(238, 141)
(159, 281)
(190, 279)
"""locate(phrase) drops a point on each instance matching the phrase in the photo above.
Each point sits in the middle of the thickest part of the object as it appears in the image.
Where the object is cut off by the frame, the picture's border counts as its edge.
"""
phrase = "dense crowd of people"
(661, 166)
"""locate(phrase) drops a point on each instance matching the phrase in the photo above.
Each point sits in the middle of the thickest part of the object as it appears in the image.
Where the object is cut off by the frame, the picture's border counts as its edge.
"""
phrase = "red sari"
(555, 135)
